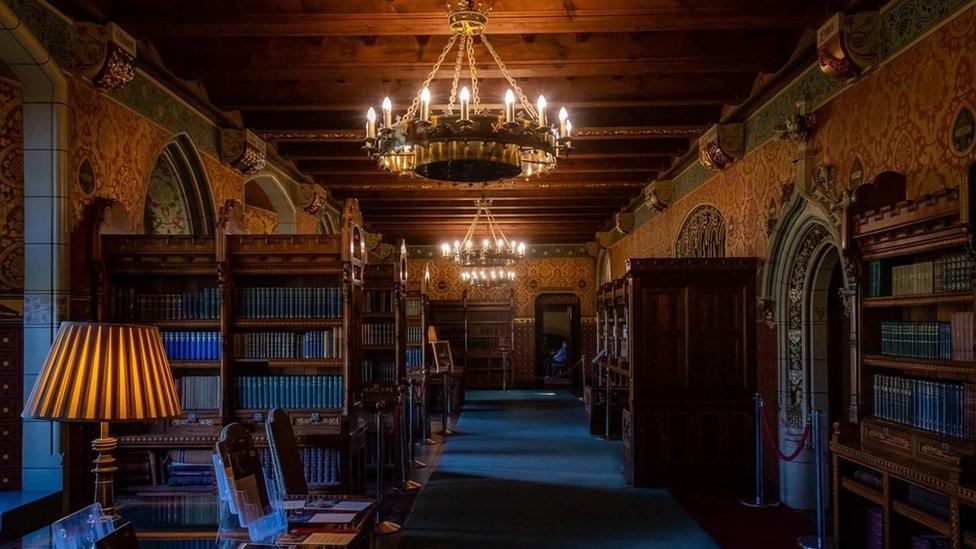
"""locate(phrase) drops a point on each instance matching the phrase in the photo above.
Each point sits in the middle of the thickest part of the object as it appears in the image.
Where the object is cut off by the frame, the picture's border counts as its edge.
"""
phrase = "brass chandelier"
(466, 142)
(494, 250)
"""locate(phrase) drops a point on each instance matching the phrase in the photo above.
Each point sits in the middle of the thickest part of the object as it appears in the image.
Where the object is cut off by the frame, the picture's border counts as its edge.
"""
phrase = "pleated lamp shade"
(105, 372)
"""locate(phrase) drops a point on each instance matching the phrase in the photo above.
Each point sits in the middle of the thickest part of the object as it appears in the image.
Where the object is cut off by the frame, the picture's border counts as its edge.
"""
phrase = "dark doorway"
(556, 323)
(838, 349)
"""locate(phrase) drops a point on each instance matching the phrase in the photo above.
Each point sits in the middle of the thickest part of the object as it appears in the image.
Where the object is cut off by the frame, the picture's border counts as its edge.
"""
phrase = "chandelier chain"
(457, 76)
(526, 104)
(430, 77)
(475, 98)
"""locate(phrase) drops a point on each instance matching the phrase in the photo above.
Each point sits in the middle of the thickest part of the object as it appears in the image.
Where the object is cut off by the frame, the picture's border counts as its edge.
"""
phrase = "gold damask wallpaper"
(261, 221)
(11, 199)
(897, 118)
(534, 277)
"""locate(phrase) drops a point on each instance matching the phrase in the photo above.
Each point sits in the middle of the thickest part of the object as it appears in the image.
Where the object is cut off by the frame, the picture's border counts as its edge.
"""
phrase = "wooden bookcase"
(910, 455)
(241, 316)
(683, 334)
(489, 338)
(417, 316)
(609, 379)
(384, 320)
(448, 318)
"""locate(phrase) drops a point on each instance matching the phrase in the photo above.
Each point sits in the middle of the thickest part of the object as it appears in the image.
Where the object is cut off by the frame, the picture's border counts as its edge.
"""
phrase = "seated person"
(558, 360)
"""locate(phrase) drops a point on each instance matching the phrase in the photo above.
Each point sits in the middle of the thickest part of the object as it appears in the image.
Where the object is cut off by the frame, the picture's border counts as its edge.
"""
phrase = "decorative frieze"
(847, 44)
(720, 146)
(243, 150)
(104, 53)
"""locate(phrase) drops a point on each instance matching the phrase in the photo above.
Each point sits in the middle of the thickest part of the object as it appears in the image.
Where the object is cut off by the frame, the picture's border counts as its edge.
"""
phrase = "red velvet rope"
(772, 440)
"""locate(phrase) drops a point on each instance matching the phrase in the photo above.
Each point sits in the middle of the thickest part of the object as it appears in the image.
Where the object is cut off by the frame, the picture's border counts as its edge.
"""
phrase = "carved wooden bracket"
(720, 146)
(104, 53)
(847, 44)
(232, 219)
(797, 128)
(243, 150)
(659, 194)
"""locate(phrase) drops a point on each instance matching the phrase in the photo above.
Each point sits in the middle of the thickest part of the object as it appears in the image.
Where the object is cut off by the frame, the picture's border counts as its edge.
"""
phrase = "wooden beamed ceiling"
(641, 78)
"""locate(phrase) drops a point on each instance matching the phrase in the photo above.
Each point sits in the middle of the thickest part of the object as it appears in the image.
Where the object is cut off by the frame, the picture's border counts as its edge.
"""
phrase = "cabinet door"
(715, 318)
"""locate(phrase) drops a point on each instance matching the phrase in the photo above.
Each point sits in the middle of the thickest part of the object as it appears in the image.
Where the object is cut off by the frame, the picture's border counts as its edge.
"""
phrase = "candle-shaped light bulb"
(569, 128)
(500, 244)
(540, 106)
(509, 106)
(484, 244)
(446, 249)
(521, 248)
(467, 244)
(465, 103)
(425, 104)
(387, 112)
(457, 245)
(563, 117)
(371, 123)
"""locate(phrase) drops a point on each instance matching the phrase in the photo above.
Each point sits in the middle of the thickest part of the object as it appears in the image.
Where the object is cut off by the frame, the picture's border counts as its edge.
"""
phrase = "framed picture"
(443, 360)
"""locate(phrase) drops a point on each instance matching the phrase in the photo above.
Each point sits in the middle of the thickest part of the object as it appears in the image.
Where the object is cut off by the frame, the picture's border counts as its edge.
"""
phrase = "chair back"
(285, 455)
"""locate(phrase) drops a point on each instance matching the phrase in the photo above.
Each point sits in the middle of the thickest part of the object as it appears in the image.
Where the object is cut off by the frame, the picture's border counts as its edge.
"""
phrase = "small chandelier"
(487, 277)
(466, 142)
(494, 250)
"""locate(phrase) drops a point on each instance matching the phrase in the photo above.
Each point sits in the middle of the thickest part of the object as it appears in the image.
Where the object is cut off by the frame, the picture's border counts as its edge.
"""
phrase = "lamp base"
(104, 469)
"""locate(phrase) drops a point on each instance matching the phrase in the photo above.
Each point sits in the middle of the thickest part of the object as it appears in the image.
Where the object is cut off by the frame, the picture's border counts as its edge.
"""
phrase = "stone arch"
(803, 254)
(603, 272)
(702, 234)
(46, 277)
(178, 199)
(266, 192)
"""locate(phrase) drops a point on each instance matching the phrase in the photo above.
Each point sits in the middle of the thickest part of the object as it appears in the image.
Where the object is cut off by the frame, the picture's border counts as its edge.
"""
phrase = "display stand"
(238, 509)
(81, 529)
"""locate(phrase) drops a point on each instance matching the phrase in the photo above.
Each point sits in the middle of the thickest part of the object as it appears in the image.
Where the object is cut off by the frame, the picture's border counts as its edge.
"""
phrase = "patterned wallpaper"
(897, 118)
(534, 277)
(11, 199)
(261, 221)
(166, 209)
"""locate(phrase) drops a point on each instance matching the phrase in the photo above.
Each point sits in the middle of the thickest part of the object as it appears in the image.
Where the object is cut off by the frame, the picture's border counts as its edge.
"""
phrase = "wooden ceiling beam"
(183, 24)
(468, 194)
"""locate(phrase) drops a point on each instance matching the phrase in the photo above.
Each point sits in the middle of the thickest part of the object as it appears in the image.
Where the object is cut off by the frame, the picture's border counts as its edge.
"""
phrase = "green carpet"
(523, 471)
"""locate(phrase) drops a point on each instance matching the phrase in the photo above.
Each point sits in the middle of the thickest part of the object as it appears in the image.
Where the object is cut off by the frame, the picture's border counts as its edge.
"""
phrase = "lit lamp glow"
(371, 123)
(387, 112)
(509, 106)
(540, 106)
(425, 105)
(105, 373)
(465, 103)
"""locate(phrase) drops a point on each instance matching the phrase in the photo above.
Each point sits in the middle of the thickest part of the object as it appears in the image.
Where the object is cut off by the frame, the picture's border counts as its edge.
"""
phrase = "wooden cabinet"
(690, 357)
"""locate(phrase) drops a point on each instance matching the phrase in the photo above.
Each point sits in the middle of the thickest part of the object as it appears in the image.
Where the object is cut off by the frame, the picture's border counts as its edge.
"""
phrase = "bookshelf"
(905, 468)
(417, 315)
(448, 318)
(250, 322)
(384, 320)
(609, 380)
(488, 341)
(681, 332)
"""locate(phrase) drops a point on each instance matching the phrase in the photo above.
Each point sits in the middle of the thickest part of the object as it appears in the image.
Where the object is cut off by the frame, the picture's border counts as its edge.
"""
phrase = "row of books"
(917, 339)
(130, 304)
(962, 335)
(192, 345)
(290, 302)
(188, 474)
(379, 333)
(321, 465)
(379, 372)
(942, 406)
(415, 307)
(378, 301)
(266, 392)
(199, 392)
(415, 335)
(415, 357)
(318, 344)
(949, 273)
(484, 343)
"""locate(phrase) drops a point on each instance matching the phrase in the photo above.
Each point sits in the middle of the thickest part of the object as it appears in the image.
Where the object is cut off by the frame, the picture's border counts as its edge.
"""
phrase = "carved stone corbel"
(797, 127)
(312, 198)
(847, 44)
(243, 150)
(624, 222)
(105, 54)
(604, 238)
(823, 192)
(659, 194)
(720, 146)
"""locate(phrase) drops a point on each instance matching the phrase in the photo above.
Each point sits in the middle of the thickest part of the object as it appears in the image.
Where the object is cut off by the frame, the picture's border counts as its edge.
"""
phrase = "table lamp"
(105, 373)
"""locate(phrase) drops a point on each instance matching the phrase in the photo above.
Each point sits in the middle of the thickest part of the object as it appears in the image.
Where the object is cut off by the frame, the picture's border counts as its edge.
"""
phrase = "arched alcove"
(178, 197)
(46, 290)
(702, 234)
(269, 208)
